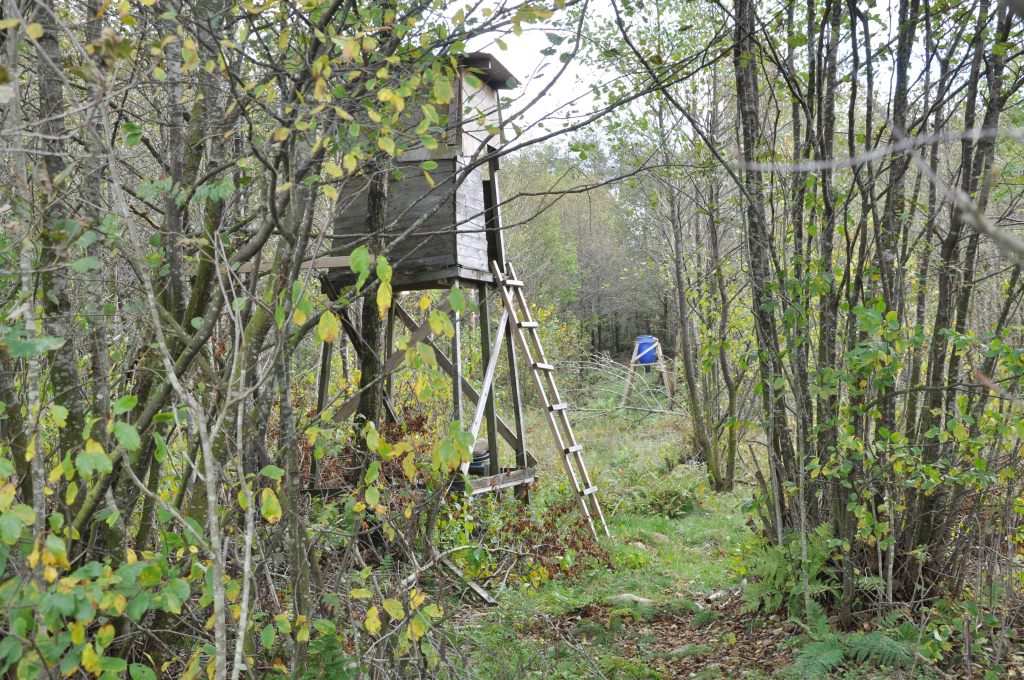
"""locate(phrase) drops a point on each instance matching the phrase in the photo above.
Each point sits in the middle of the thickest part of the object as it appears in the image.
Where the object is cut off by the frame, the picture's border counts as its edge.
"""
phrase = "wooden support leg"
(522, 492)
(504, 430)
(630, 375)
(389, 343)
(457, 364)
(665, 376)
(323, 384)
(485, 357)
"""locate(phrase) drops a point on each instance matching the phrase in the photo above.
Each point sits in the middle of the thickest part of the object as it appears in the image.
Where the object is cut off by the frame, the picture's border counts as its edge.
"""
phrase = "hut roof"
(490, 70)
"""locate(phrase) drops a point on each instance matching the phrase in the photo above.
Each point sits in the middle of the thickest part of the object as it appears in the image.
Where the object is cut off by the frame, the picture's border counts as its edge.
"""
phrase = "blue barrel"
(646, 349)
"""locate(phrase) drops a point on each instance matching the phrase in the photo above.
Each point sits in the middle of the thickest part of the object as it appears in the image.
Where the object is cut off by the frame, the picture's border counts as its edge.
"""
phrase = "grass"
(668, 546)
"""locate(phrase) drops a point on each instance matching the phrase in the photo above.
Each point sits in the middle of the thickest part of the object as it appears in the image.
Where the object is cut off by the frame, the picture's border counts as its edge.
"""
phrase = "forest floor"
(667, 603)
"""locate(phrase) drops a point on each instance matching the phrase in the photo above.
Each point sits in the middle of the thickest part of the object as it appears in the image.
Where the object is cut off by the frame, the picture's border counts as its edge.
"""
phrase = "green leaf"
(267, 636)
(373, 496)
(161, 447)
(457, 300)
(127, 436)
(372, 472)
(10, 528)
(359, 262)
(139, 672)
(22, 346)
(325, 627)
(383, 269)
(394, 609)
(125, 404)
(132, 133)
(93, 459)
(85, 264)
(273, 472)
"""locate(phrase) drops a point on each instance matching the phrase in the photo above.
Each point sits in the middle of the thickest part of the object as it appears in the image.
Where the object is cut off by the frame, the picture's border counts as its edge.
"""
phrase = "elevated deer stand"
(638, 361)
(447, 234)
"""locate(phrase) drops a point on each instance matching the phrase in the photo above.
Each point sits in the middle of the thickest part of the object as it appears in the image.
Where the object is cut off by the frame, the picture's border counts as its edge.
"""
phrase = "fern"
(817, 659)
(878, 648)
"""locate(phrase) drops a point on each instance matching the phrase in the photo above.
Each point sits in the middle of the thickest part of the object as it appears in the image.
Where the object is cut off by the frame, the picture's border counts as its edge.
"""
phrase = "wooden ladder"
(556, 410)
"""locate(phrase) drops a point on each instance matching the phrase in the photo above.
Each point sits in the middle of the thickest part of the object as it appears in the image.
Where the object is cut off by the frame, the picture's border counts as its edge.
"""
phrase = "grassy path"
(666, 604)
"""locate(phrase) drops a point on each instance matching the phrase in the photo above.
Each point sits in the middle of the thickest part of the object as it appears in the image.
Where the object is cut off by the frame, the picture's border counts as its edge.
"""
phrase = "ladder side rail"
(514, 297)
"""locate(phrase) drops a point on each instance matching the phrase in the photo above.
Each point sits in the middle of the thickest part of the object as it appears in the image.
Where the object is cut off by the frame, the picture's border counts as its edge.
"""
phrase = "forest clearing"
(518, 339)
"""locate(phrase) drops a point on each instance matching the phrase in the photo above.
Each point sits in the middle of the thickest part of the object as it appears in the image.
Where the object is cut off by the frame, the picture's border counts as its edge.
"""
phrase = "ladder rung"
(513, 283)
(575, 448)
(540, 366)
(589, 491)
(529, 324)
(558, 407)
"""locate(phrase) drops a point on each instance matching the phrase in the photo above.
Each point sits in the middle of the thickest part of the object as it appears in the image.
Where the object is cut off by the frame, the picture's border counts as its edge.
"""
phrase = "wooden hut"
(448, 231)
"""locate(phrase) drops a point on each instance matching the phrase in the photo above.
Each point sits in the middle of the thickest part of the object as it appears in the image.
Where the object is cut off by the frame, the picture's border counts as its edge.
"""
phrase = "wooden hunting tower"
(447, 233)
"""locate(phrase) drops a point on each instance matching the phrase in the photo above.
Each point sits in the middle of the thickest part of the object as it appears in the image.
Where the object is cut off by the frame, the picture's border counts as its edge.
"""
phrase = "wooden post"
(665, 375)
(457, 364)
(323, 384)
(485, 357)
(522, 492)
(631, 373)
(389, 343)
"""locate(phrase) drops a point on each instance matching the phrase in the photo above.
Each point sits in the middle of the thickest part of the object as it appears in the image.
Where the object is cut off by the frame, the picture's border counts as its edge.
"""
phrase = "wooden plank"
(502, 480)
(419, 334)
(334, 262)
(473, 585)
(446, 365)
(492, 365)
(485, 349)
(457, 365)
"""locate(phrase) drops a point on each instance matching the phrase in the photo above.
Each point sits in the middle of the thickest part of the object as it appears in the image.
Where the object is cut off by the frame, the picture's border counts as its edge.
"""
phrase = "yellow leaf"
(417, 627)
(383, 298)
(329, 328)
(349, 162)
(77, 633)
(299, 317)
(416, 598)
(372, 621)
(387, 145)
(34, 31)
(394, 609)
(91, 660)
(8, 23)
(7, 494)
(281, 134)
(130, 556)
(49, 574)
(409, 466)
(361, 594)
(105, 634)
(270, 507)
(332, 169)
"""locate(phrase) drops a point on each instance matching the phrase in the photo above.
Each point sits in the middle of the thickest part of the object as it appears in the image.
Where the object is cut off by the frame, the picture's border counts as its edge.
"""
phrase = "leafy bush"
(775, 579)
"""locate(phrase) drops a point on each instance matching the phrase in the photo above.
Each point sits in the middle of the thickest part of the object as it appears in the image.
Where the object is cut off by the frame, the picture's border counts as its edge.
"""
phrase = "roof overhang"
(490, 70)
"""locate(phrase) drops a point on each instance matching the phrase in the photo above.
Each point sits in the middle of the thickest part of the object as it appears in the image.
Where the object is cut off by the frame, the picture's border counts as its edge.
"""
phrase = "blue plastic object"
(646, 349)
